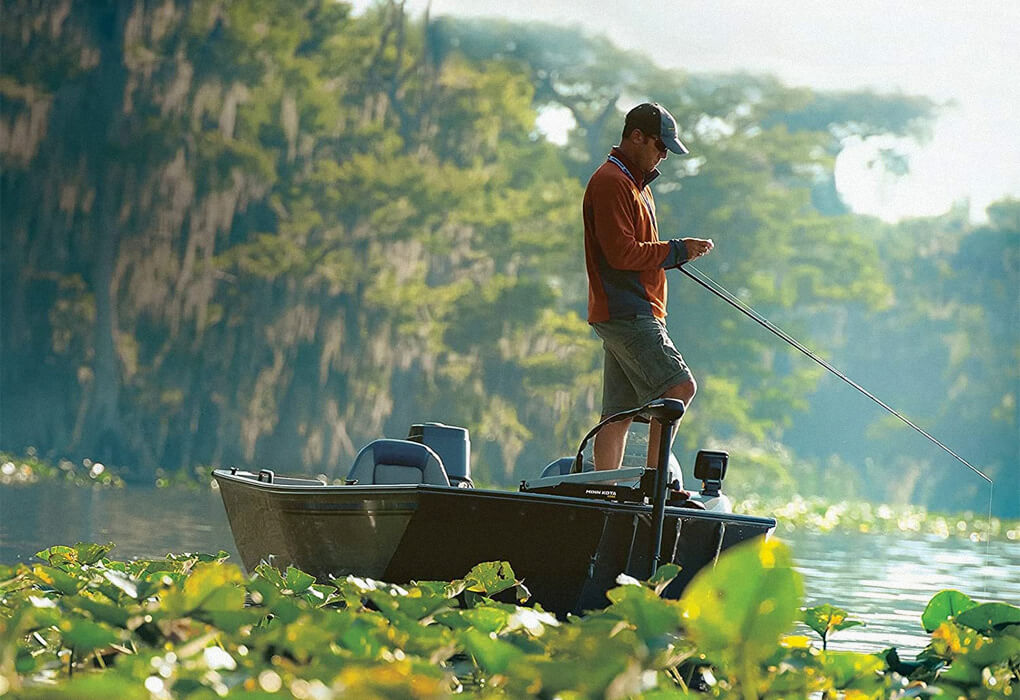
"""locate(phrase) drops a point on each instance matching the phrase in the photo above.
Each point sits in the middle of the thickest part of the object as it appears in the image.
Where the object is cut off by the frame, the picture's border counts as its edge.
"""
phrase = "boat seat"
(397, 462)
(563, 465)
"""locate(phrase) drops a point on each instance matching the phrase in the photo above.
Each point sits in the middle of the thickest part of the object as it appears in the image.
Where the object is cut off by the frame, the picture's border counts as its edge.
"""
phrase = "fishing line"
(724, 294)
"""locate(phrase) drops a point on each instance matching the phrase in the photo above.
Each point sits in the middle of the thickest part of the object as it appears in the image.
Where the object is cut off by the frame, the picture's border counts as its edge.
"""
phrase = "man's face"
(653, 151)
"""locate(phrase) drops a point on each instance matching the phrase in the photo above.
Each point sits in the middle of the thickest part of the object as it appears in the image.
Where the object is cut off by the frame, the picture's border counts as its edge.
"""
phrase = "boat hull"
(568, 551)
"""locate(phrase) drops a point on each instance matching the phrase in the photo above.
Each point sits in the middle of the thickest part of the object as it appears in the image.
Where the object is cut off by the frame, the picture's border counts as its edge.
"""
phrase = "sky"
(961, 53)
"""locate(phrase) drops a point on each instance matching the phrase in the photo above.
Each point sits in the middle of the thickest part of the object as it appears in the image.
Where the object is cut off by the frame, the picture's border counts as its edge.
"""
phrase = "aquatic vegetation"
(825, 515)
(826, 619)
(79, 624)
(30, 469)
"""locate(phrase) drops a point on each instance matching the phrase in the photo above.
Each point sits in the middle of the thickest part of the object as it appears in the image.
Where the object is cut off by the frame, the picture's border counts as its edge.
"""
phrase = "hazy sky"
(963, 51)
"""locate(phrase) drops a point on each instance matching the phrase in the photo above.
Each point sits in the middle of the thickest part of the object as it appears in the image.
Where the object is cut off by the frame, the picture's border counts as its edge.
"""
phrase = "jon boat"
(408, 512)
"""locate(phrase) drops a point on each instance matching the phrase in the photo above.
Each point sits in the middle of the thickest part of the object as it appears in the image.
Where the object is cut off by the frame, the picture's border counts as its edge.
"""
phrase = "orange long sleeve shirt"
(625, 259)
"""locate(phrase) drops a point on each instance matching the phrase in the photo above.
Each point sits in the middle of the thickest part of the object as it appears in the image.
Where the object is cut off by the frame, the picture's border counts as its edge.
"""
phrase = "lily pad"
(738, 610)
(944, 605)
(987, 617)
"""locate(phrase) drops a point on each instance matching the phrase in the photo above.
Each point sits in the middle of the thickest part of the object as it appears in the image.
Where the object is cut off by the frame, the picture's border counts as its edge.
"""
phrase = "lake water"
(884, 580)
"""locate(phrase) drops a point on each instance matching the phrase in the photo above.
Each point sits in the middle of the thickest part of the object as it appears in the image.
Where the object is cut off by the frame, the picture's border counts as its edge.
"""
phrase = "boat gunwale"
(251, 482)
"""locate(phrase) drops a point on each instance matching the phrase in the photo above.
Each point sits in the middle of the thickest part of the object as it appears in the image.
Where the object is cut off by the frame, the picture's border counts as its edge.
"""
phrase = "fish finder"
(710, 467)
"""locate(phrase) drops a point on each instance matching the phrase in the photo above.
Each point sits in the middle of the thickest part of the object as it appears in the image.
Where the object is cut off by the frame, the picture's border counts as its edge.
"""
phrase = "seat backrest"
(563, 465)
(397, 462)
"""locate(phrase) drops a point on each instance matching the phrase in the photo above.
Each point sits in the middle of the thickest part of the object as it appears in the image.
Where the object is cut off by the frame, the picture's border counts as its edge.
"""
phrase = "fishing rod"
(724, 294)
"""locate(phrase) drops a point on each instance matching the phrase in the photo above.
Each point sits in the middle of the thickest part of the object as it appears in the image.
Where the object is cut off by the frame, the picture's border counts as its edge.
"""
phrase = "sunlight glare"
(554, 122)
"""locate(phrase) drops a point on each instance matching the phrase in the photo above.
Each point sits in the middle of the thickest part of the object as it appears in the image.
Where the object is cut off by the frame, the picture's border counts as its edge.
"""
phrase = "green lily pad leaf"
(286, 609)
(270, 573)
(963, 673)
(208, 580)
(210, 586)
(24, 662)
(850, 670)
(486, 619)
(741, 607)
(103, 612)
(492, 654)
(263, 592)
(415, 603)
(987, 617)
(297, 580)
(826, 619)
(57, 554)
(91, 687)
(438, 588)
(57, 579)
(944, 605)
(227, 597)
(149, 583)
(1000, 650)
(651, 616)
(490, 578)
(231, 621)
(663, 576)
(10, 576)
(86, 635)
(81, 554)
(364, 637)
(323, 593)
(89, 553)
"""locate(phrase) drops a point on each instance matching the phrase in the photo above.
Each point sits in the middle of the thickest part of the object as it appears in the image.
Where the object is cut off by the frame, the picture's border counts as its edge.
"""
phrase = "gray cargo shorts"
(641, 362)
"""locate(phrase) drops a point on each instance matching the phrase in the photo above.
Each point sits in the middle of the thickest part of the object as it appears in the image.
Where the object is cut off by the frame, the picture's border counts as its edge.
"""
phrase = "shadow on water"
(883, 580)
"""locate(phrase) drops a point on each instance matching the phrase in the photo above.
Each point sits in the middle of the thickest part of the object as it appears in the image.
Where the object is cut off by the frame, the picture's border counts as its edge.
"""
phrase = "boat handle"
(268, 474)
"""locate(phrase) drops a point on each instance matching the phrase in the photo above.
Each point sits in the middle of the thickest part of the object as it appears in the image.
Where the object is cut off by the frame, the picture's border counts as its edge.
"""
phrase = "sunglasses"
(658, 143)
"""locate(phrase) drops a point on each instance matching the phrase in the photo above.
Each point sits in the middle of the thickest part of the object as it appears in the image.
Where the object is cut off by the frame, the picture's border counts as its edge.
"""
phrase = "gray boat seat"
(563, 465)
(397, 462)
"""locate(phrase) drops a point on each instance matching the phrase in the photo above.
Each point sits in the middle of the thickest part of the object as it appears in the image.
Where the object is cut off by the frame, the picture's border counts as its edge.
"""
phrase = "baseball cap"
(654, 120)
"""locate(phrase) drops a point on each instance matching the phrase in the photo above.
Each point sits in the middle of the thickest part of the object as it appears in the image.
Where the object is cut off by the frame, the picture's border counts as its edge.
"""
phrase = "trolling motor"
(667, 414)
(654, 485)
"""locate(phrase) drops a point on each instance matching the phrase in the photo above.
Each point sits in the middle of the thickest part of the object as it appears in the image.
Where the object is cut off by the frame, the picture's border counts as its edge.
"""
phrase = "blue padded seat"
(397, 462)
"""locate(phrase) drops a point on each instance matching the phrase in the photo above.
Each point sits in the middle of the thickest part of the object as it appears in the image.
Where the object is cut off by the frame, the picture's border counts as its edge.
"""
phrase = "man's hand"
(696, 247)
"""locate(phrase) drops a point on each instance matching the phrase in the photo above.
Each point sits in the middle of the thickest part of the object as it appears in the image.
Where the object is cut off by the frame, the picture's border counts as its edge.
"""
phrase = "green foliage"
(192, 626)
(276, 230)
(824, 515)
(30, 468)
(737, 611)
(946, 605)
(826, 619)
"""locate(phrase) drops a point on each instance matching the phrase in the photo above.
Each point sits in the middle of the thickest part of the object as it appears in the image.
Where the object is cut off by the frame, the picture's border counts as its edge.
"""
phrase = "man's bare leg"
(685, 392)
(609, 444)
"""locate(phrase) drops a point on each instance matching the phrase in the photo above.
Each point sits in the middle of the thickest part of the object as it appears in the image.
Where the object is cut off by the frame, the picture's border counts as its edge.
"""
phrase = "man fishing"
(626, 265)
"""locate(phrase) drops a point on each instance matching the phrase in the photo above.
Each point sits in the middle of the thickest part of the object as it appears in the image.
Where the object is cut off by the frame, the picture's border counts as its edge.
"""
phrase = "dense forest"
(263, 233)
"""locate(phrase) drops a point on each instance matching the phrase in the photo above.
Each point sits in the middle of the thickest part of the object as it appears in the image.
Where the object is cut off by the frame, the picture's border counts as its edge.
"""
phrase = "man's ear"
(635, 135)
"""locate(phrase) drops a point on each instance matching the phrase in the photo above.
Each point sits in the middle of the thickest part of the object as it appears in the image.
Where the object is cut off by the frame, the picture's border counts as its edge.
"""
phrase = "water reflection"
(142, 522)
(883, 580)
(887, 581)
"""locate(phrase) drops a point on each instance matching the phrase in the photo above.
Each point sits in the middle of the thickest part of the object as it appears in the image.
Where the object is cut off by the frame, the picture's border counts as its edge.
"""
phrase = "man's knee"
(684, 391)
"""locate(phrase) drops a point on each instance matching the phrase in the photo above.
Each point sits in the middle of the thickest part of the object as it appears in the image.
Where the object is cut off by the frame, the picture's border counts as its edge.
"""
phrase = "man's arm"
(612, 210)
